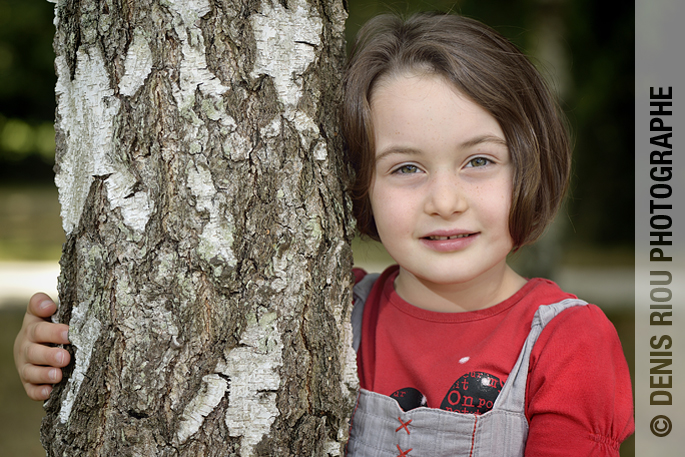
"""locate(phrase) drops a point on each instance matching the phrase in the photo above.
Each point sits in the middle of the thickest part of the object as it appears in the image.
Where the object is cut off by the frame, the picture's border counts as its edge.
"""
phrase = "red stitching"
(473, 435)
(403, 426)
(403, 453)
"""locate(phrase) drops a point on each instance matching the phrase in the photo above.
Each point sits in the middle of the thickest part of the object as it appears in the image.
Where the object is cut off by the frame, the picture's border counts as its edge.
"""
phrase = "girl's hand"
(37, 363)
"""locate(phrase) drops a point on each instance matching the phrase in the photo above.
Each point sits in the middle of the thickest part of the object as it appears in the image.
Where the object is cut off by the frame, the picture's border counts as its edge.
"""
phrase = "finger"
(32, 374)
(38, 392)
(48, 332)
(41, 305)
(37, 354)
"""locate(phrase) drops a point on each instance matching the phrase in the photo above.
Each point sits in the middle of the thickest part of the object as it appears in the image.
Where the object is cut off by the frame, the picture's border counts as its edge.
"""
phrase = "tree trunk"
(206, 273)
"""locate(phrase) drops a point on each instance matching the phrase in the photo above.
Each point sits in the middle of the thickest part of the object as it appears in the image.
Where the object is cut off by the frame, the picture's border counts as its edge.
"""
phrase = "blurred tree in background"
(597, 96)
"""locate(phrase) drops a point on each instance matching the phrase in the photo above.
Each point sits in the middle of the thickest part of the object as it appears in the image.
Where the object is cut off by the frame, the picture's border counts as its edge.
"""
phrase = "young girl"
(461, 156)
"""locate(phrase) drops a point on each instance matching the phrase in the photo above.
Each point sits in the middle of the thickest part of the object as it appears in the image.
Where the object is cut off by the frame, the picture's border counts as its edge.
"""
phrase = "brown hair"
(489, 70)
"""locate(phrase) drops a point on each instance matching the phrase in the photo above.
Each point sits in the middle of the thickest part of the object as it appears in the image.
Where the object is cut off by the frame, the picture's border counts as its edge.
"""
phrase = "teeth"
(447, 237)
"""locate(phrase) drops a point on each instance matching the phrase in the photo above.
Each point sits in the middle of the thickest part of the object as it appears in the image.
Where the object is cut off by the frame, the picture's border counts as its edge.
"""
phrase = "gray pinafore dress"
(380, 428)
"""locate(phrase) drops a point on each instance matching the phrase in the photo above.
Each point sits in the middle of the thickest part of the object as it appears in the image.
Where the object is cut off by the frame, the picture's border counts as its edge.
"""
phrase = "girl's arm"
(38, 364)
(579, 397)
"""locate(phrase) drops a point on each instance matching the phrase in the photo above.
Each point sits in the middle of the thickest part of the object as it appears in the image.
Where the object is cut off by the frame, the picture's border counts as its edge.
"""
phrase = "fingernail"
(53, 375)
(45, 304)
(60, 358)
(46, 391)
(65, 336)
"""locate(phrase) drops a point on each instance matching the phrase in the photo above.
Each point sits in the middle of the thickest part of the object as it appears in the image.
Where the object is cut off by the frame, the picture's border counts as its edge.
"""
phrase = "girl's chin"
(444, 275)
(440, 278)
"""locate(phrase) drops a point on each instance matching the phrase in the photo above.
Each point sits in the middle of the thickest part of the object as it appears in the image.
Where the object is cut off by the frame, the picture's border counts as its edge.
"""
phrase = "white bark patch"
(87, 110)
(331, 448)
(216, 239)
(286, 39)
(272, 129)
(349, 384)
(320, 151)
(305, 127)
(87, 107)
(309, 134)
(213, 390)
(137, 66)
(282, 270)
(194, 72)
(195, 75)
(84, 330)
(137, 208)
(253, 371)
(235, 146)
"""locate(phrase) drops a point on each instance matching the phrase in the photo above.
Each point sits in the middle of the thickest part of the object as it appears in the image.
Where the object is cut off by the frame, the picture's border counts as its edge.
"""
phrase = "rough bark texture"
(205, 275)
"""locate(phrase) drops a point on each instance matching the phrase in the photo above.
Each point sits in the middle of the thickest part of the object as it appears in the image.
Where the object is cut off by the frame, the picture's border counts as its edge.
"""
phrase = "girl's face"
(441, 189)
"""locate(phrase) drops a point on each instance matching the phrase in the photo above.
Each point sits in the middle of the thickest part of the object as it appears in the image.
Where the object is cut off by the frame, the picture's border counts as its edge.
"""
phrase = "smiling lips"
(450, 237)
(448, 242)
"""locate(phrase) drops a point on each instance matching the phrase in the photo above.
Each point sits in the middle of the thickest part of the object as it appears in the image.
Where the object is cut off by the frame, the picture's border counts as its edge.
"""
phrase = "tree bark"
(206, 272)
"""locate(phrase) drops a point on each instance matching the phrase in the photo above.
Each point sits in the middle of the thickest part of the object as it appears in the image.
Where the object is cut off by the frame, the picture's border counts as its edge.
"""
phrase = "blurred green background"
(585, 47)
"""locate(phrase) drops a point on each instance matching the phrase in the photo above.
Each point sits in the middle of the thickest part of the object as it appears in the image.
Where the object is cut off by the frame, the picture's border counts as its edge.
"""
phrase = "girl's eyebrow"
(482, 139)
(464, 145)
(397, 150)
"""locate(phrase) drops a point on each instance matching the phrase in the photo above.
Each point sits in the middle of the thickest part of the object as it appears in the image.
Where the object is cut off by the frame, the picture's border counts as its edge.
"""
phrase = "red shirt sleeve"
(359, 274)
(579, 395)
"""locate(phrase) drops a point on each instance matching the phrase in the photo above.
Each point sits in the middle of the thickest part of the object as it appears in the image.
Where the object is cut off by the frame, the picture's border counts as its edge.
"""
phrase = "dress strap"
(360, 292)
(513, 395)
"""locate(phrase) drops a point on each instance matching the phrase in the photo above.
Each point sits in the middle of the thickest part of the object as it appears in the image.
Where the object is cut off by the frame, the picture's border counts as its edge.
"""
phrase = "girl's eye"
(407, 169)
(478, 162)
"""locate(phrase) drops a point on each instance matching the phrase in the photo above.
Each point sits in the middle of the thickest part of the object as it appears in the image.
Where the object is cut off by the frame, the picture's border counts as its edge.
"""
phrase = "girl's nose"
(445, 197)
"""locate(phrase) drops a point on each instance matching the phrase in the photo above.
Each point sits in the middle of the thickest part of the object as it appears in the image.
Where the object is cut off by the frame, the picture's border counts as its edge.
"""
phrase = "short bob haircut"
(489, 70)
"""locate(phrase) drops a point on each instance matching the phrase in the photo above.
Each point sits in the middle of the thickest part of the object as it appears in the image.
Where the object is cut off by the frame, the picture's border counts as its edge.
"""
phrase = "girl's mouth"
(452, 237)
(449, 242)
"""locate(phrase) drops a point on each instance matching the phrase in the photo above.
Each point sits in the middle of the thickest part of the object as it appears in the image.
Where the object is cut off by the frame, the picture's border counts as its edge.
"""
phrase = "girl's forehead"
(415, 75)
(426, 112)
(419, 86)
(411, 93)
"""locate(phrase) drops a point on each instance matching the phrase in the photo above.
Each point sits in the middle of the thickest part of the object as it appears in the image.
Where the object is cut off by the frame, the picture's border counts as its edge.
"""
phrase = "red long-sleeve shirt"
(578, 396)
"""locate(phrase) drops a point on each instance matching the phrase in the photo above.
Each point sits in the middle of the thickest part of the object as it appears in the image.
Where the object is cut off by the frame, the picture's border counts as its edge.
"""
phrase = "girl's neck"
(482, 292)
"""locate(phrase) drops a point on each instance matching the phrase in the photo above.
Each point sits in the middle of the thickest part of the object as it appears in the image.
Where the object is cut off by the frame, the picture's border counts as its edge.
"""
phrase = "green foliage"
(18, 139)
(27, 81)
(27, 77)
